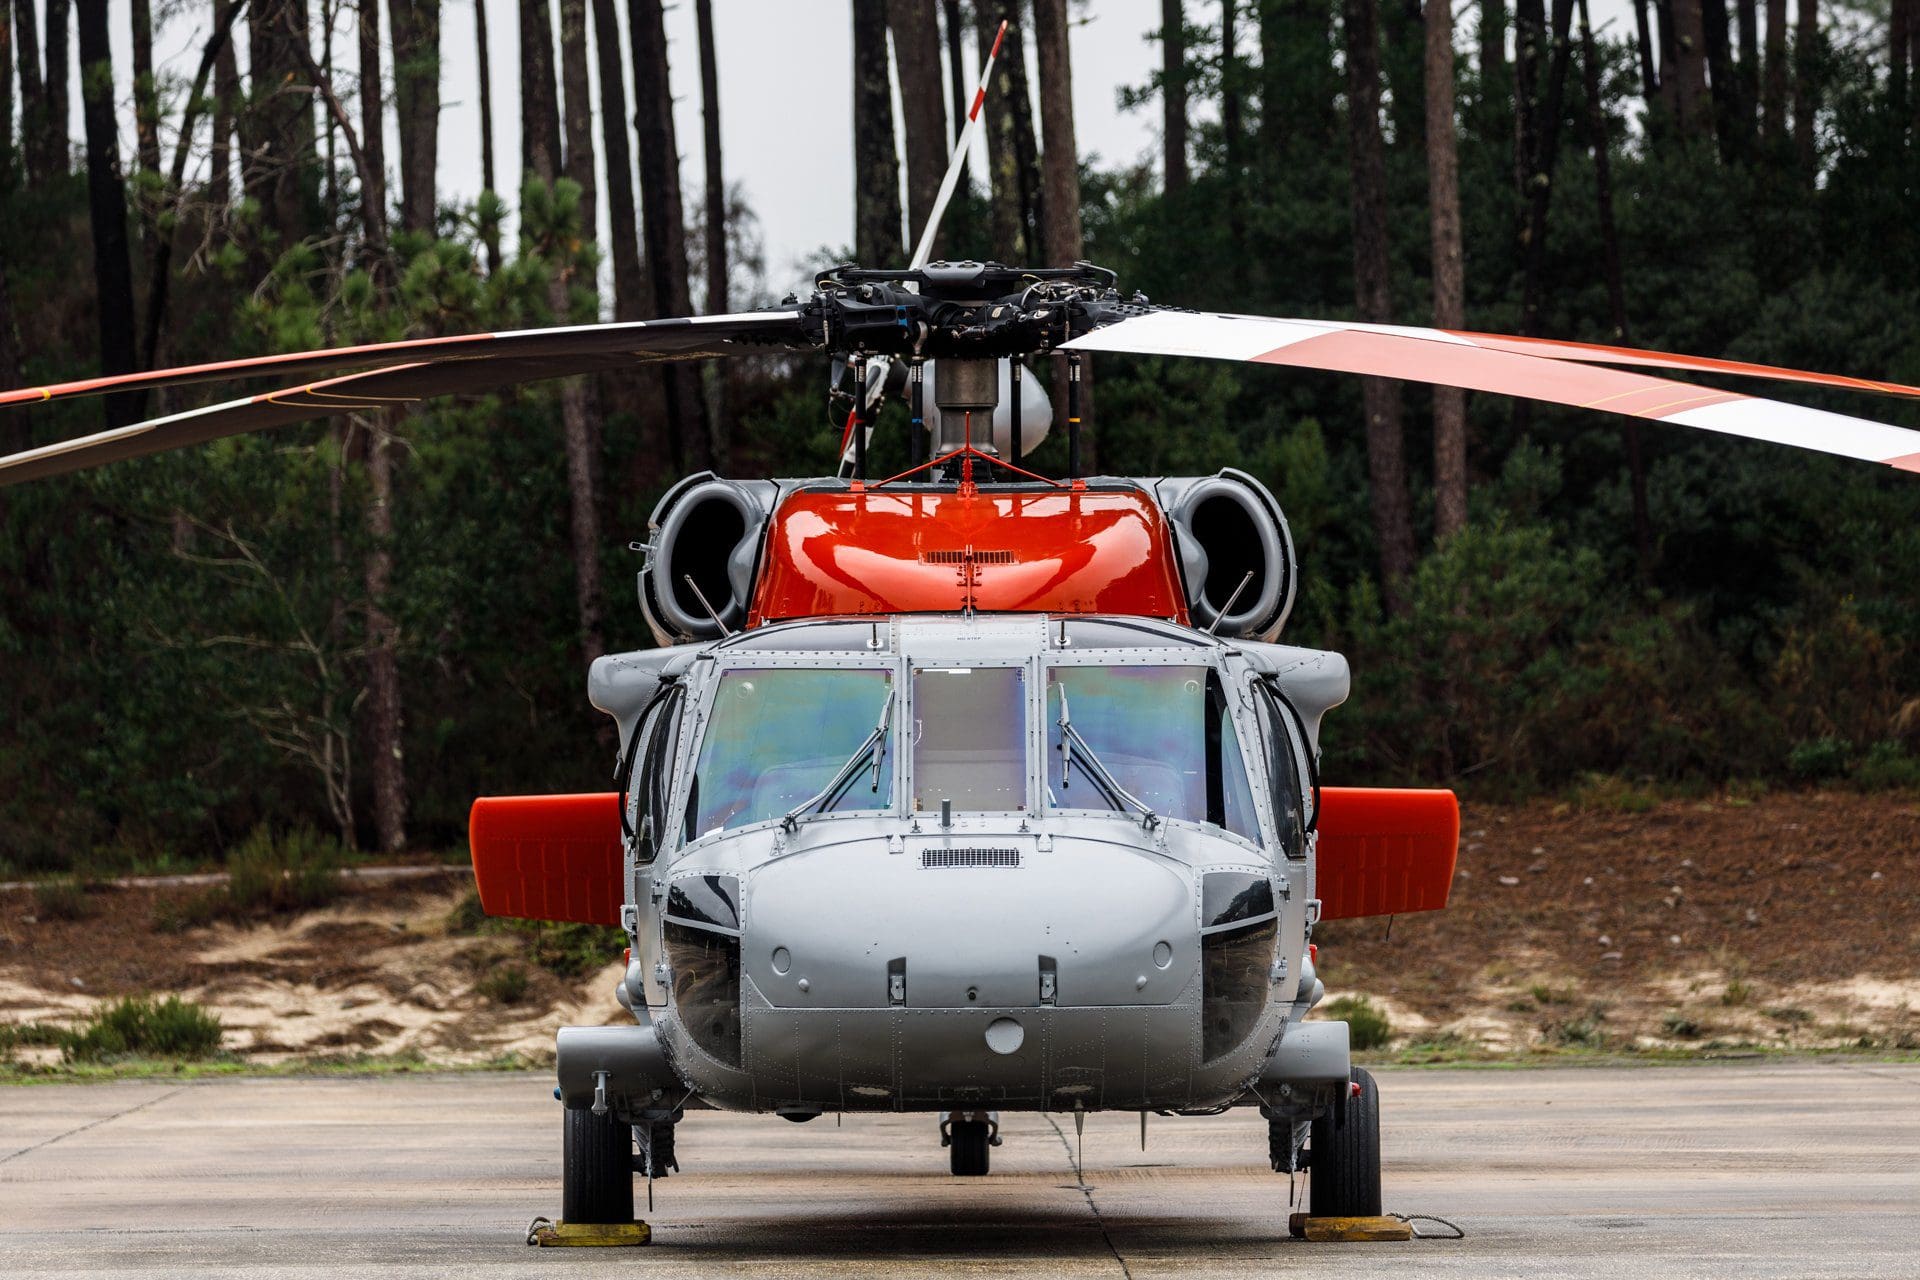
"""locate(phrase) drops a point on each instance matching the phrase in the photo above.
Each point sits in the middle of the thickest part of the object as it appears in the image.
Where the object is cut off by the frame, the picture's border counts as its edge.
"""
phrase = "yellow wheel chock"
(1347, 1230)
(550, 1234)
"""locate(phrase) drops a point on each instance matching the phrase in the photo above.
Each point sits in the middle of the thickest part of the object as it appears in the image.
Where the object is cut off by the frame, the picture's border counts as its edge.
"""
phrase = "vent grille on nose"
(969, 857)
(962, 556)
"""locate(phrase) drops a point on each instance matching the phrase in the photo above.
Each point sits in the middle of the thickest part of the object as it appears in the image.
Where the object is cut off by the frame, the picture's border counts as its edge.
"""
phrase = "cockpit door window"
(776, 736)
(1294, 804)
(1161, 736)
(650, 769)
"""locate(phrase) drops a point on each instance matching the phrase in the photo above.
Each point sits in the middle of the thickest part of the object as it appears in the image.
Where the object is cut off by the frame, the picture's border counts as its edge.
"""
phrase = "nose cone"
(956, 923)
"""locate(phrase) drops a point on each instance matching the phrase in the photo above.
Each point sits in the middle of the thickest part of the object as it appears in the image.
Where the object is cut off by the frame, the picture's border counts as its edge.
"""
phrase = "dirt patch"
(1791, 920)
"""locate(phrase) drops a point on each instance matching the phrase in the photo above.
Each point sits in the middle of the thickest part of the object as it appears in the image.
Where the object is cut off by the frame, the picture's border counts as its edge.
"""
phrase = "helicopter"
(967, 790)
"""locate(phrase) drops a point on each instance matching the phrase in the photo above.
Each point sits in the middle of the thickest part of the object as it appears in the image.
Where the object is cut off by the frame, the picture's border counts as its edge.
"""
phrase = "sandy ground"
(1796, 1171)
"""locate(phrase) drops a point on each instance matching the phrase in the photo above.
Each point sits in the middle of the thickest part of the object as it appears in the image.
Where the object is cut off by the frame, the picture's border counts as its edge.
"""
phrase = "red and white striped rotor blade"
(1432, 356)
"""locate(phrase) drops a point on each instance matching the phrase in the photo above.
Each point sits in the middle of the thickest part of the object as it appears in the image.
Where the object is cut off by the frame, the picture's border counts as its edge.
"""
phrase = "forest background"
(358, 628)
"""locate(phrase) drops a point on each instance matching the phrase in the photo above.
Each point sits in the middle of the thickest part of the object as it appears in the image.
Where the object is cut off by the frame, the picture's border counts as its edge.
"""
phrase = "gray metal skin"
(845, 893)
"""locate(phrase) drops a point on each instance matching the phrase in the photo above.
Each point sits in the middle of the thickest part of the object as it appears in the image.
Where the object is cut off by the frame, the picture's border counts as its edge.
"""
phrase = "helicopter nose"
(949, 927)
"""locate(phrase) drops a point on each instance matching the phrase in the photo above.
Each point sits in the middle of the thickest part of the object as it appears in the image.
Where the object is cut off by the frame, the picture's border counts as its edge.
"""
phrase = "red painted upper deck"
(912, 550)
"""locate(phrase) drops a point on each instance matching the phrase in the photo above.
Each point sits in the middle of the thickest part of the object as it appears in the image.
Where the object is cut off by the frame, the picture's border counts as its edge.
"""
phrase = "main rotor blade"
(396, 387)
(1386, 352)
(564, 340)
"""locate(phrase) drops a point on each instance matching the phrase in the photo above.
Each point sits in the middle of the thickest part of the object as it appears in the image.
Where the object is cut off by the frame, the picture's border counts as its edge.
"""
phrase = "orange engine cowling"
(1385, 851)
(548, 857)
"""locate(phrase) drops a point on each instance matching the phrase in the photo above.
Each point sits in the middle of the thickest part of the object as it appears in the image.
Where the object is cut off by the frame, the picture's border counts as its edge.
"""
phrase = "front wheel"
(596, 1169)
(968, 1151)
(1345, 1166)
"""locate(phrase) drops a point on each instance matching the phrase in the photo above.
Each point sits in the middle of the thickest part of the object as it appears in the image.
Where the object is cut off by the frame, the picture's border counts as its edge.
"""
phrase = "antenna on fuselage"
(1227, 608)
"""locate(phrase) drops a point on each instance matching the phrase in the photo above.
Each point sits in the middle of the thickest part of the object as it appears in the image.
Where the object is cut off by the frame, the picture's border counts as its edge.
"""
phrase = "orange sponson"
(1384, 852)
(913, 550)
(548, 857)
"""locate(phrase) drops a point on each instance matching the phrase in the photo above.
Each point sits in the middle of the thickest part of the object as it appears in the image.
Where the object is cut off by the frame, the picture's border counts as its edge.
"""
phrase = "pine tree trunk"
(146, 93)
(107, 209)
(877, 238)
(1529, 33)
(281, 169)
(1692, 106)
(1232, 94)
(923, 113)
(1014, 164)
(1173, 94)
(1373, 298)
(664, 225)
(1806, 89)
(1597, 138)
(540, 155)
(1643, 38)
(1060, 176)
(226, 99)
(1725, 87)
(373, 138)
(629, 284)
(1747, 74)
(386, 722)
(718, 374)
(33, 92)
(1540, 184)
(59, 77)
(490, 234)
(14, 431)
(577, 99)
(1773, 91)
(7, 166)
(1492, 34)
(416, 95)
(965, 213)
(1449, 284)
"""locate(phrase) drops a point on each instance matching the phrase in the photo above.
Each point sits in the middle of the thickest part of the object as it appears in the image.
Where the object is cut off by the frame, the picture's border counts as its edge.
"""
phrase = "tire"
(1345, 1168)
(968, 1154)
(596, 1169)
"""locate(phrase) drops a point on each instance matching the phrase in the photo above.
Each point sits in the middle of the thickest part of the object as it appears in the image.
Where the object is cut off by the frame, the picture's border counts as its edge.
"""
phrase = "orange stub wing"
(1385, 851)
(548, 857)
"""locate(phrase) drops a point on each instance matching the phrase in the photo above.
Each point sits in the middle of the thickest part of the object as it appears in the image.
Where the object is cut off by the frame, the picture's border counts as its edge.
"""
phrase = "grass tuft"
(504, 985)
(141, 1027)
(1367, 1024)
(66, 899)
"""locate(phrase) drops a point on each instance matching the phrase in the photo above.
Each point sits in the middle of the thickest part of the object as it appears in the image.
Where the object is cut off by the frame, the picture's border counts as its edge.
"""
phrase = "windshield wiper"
(829, 795)
(1117, 796)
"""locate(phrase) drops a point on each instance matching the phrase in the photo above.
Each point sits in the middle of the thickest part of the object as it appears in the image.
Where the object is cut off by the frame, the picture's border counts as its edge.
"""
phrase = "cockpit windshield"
(777, 736)
(1162, 735)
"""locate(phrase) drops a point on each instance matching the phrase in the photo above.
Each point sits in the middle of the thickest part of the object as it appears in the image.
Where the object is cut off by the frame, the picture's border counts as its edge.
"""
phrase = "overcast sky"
(786, 101)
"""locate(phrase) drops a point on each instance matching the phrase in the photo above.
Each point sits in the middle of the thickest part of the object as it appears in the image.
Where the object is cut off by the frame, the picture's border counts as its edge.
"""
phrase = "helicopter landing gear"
(969, 1137)
(1345, 1149)
(596, 1160)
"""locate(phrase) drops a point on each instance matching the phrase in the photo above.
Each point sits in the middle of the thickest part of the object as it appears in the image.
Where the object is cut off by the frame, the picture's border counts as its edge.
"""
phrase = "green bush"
(504, 985)
(1367, 1023)
(65, 899)
(1819, 759)
(141, 1027)
(265, 876)
(1887, 767)
(563, 949)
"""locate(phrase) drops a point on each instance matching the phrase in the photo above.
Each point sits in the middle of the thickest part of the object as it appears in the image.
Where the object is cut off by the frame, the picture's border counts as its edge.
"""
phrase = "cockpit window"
(775, 739)
(969, 738)
(1162, 735)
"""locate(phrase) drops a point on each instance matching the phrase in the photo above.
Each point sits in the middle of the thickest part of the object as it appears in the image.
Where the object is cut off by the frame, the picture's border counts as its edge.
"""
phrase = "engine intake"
(708, 530)
(1229, 525)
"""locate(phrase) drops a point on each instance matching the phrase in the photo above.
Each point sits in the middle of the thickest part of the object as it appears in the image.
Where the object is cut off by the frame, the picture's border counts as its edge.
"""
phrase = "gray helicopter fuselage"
(1072, 869)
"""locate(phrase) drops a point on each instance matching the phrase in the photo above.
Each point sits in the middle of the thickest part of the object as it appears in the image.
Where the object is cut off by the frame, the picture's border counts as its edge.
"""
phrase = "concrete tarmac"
(1798, 1170)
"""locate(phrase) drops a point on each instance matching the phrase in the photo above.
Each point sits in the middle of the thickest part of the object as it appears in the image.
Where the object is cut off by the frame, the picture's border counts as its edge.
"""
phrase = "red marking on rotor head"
(1507, 373)
(1910, 462)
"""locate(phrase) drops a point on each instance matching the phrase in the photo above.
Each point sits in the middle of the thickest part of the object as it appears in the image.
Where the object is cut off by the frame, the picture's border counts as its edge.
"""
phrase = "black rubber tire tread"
(596, 1169)
(1345, 1169)
(968, 1156)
